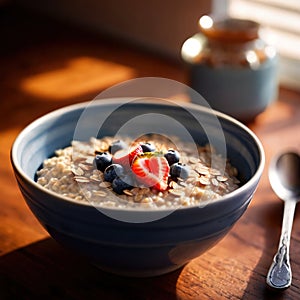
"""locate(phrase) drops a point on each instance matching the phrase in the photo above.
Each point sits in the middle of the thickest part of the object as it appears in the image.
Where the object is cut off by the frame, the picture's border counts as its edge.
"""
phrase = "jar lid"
(229, 29)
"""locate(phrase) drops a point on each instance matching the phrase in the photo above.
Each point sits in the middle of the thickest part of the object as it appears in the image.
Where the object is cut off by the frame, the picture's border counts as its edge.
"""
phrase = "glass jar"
(231, 66)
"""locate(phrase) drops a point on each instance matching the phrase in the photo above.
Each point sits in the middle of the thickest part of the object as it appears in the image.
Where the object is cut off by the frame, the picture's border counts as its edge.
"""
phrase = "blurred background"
(281, 20)
(58, 52)
(156, 26)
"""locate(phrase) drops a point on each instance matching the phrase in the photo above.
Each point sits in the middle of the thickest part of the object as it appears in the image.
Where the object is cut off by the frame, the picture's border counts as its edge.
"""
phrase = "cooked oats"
(72, 173)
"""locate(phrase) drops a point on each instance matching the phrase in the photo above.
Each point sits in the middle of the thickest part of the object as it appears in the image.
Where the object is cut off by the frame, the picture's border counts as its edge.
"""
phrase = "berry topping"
(102, 160)
(116, 146)
(172, 157)
(126, 156)
(179, 170)
(120, 184)
(148, 147)
(113, 171)
(151, 170)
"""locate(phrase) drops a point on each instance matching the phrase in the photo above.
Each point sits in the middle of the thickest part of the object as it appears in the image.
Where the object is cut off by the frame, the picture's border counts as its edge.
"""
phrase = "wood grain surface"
(45, 65)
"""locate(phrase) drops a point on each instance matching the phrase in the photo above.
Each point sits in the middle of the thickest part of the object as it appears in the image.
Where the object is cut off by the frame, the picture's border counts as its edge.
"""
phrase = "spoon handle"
(280, 273)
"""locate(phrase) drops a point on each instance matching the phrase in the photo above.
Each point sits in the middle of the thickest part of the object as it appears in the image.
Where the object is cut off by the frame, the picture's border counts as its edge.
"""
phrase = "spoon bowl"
(284, 176)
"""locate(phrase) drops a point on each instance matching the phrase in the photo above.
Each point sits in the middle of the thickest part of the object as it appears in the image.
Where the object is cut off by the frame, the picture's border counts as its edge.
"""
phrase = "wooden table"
(45, 66)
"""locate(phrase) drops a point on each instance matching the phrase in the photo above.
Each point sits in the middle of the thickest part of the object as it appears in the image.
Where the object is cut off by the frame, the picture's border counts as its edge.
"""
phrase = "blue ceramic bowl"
(167, 239)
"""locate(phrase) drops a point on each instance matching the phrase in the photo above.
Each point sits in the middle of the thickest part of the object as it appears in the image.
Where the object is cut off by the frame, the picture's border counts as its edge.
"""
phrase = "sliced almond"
(214, 182)
(95, 178)
(128, 193)
(77, 171)
(105, 184)
(81, 179)
(85, 167)
(202, 170)
(204, 180)
(99, 193)
(173, 184)
(215, 172)
(222, 178)
(176, 192)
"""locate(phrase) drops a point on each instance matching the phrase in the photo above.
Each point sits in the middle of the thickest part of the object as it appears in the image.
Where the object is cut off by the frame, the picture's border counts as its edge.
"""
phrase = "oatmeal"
(153, 172)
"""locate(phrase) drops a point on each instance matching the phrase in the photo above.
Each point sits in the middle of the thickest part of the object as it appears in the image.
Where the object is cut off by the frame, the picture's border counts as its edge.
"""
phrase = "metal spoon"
(284, 176)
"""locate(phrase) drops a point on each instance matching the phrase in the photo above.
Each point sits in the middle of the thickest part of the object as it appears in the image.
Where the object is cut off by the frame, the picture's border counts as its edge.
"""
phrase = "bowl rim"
(120, 100)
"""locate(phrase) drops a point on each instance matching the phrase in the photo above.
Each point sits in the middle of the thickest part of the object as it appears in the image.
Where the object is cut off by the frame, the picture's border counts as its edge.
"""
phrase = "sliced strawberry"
(160, 168)
(151, 170)
(125, 157)
(141, 168)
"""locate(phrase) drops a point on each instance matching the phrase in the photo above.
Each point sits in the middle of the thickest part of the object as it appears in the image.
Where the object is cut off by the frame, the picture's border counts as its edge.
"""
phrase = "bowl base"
(139, 273)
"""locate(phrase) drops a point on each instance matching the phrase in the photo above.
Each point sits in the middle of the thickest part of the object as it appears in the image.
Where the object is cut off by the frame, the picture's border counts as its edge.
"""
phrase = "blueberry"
(116, 146)
(120, 184)
(113, 171)
(102, 160)
(148, 147)
(179, 170)
(172, 157)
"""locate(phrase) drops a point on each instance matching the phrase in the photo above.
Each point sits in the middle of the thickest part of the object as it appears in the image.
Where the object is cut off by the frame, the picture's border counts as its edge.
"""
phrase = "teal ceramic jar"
(232, 67)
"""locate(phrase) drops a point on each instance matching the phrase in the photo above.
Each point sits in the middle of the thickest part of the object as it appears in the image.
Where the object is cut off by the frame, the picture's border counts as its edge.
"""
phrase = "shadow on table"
(269, 216)
(45, 270)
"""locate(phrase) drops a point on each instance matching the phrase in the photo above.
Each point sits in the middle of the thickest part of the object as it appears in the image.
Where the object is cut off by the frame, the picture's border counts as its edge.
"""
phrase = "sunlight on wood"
(17, 212)
(271, 115)
(86, 75)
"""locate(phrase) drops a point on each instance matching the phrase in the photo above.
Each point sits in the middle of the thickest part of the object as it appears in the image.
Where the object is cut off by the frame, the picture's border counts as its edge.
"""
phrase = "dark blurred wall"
(159, 25)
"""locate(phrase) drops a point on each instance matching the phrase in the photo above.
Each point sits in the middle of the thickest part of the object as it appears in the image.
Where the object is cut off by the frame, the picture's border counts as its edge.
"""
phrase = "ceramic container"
(232, 67)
